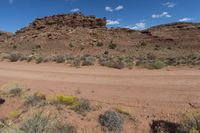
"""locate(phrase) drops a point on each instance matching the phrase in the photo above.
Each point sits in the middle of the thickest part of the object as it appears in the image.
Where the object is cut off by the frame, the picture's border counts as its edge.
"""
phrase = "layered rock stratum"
(78, 34)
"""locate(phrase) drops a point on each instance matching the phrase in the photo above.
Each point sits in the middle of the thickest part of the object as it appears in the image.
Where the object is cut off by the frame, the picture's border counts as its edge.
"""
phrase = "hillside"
(78, 34)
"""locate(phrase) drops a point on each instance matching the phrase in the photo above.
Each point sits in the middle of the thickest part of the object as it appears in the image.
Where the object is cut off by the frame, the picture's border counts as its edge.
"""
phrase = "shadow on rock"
(2, 101)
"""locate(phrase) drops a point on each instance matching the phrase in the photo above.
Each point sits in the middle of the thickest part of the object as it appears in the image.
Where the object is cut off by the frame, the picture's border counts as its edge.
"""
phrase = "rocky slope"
(79, 34)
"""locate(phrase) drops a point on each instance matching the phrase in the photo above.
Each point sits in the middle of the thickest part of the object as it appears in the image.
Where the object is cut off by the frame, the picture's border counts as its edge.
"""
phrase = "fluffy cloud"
(109, 9)
(118, 8)
(113, 22)
(137, 26)
(164, 14)
(75, 10)
(169, 4)
(185, 19)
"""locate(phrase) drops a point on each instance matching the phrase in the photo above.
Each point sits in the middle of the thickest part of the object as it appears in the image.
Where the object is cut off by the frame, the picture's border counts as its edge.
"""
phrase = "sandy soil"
(153, 94)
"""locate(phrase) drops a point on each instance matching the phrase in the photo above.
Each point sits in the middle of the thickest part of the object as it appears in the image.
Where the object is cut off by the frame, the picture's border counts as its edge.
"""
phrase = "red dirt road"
(155, 91)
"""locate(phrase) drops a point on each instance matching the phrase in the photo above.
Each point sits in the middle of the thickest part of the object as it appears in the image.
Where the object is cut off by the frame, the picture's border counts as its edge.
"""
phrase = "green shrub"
(14, 46)
(13, 57)
(83, 106)
(40, 123)
(112, 46)
(112, 120)
(39, 60)
(156, 65)
(68, 100)
(88, 61)
(29, 58)
(129, 62)
(12, 88)
(76, 62)
(34, 100)
(59, 59)
(4, 56)
(16, 91)
(190, 122)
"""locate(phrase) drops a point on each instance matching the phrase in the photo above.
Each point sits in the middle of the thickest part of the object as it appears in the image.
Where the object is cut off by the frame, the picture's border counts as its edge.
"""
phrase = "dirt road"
(156, 90)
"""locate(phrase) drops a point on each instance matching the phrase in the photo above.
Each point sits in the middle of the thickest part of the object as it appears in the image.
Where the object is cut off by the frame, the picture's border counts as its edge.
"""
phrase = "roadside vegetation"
(39, 114)
(149, 61)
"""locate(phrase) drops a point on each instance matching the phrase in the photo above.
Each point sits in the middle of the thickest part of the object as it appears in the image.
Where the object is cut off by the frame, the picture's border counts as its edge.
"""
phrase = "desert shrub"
(37, 46)
(83, 106)
(88, 61)
(59, 59)
(34, 100)
(16, 91)
(14, 46)
(156, 65)
(122, 111)
(64, 128)
(40, 123)
(113, 62)
(4, 56)
(13, 57)
(99, 44)
(190, 122)
(105, 60)
(76, 62)
(112, 46)
(112, 120)
(129, 62)
(13, 114)
(68, 100)
(23, 57)
(29, 58)
(39, 60)
(119, 64)
(12, 88)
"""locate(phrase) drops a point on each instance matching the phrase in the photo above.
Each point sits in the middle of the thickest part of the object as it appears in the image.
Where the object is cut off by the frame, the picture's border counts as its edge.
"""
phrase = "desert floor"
(151, 94)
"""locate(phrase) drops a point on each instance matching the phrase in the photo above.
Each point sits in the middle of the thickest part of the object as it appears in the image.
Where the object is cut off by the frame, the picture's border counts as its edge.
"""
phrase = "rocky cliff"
(4, 36)
(59, 21)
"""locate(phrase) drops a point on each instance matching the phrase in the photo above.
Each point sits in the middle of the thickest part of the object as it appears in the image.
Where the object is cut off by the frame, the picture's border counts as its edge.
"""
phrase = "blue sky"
(135, 14)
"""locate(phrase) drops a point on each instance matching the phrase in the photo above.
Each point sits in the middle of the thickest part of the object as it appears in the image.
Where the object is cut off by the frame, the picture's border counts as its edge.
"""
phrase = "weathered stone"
(70, 20)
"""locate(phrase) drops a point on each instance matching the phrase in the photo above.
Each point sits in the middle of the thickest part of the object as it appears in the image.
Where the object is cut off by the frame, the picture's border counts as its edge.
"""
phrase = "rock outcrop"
(184, 32)
(66, 20)
(4, 36)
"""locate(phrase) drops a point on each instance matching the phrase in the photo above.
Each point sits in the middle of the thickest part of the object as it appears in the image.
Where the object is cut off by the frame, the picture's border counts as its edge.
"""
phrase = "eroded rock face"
(183, 32)
(62, 20)
(4, 36)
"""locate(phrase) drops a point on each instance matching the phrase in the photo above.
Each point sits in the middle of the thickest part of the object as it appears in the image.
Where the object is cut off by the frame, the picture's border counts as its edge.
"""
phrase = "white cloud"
(113, 22)
(118, 8)
(137, 26)
(109, 9)
(185, 19)
(11, 1)
(75, 10)
(169, 4)
(164, 14)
